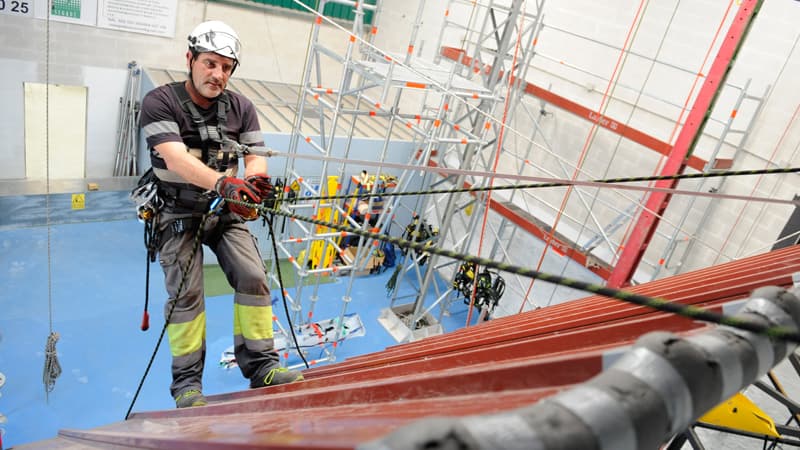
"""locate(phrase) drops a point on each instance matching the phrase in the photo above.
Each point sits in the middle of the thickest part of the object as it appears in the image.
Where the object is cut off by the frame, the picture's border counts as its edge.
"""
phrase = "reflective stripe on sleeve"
(161, 127)
(251, 137)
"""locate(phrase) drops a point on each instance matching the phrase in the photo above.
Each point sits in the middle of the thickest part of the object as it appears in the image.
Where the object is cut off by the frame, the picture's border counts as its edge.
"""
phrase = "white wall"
(655, 98)
(274, 49)
(647, 96)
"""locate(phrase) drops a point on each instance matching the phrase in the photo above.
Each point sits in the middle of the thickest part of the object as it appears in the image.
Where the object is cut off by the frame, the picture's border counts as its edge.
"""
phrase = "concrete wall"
(652, 89)
(274, 49)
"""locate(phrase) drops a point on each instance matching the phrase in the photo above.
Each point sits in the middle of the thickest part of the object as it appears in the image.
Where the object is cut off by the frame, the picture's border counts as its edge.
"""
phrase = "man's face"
(210, 73)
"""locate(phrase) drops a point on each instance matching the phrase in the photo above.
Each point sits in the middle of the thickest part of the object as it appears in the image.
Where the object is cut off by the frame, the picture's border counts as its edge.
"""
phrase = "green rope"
(660, 304)
(730, 173)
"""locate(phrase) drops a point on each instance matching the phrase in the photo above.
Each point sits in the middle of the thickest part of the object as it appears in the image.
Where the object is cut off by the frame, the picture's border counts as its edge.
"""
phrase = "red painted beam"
(730, 281)
(344, 405)
(593, 116)
(491, 376)
(565, 249)
(325, 428)
(562, 248)
(657, 202)
(595, 338)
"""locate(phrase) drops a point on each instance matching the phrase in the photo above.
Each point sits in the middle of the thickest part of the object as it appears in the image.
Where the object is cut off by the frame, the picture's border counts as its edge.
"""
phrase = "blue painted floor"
(95, 299)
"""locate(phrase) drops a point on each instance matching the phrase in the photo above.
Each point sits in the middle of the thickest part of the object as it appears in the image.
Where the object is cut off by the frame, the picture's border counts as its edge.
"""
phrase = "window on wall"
(332, 10)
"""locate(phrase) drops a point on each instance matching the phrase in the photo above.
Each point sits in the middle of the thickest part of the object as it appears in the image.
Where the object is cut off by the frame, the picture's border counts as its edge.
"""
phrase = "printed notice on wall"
(17, 8)
(155, 17)
(81, 12)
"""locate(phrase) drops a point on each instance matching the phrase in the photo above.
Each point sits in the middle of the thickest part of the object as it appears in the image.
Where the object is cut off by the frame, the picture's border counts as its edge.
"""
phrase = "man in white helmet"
(185, 124)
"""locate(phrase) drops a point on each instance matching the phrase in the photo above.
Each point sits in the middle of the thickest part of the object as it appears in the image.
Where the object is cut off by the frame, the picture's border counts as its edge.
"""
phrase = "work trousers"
(238, 255)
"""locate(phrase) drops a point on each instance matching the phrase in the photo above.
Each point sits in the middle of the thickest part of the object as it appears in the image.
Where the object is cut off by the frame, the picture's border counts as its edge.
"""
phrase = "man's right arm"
(161, 129)
(187, 166)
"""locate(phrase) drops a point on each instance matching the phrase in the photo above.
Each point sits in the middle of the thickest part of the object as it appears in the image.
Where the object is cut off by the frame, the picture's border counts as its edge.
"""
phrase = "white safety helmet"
(217, 37)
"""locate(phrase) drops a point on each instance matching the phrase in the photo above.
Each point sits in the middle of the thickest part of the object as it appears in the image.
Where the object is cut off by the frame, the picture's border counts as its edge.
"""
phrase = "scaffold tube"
(658, 388)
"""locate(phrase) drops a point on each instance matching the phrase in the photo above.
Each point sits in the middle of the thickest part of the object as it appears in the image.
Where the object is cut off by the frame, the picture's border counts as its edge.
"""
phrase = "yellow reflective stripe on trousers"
(187, 337)
(252, 322)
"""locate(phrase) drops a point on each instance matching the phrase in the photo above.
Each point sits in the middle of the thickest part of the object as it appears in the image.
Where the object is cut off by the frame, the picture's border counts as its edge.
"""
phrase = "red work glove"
(265, 189)
(232, 188)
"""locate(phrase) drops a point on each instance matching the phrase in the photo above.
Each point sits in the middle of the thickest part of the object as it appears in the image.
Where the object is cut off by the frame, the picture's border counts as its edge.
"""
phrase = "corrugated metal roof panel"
(500, 365)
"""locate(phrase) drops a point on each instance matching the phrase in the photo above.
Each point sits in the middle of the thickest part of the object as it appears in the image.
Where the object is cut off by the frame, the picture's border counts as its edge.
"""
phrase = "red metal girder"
(729, 281)
(337, 427)
(534, 356)
(590, 339)
(642, 233)
(735, 278)
(494, 376)
(562, 248)
(593, 116)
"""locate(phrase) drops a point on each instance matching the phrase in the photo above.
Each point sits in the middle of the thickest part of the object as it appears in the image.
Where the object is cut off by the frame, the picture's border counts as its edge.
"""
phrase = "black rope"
(657, 303)
(195, 245)
(268, 219)
(730, 173)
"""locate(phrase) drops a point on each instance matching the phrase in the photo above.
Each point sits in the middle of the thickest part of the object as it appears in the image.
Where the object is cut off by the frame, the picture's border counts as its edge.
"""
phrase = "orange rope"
(511, 80)
(589, 138)
(675, 128)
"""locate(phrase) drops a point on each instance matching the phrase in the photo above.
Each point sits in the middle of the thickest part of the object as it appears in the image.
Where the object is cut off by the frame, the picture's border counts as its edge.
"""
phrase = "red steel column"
(657, 202)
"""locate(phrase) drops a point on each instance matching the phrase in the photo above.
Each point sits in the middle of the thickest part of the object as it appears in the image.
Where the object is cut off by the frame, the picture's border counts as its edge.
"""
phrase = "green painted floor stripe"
(215, 283)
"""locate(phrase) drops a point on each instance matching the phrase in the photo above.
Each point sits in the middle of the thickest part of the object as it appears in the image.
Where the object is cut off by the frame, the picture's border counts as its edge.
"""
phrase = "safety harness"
(185, 198)
(489, 287)
(153, 195)
(208, 134)
(419, 231)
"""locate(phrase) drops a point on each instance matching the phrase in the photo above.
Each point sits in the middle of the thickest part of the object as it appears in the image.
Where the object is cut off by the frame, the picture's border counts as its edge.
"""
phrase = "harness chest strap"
(218, 160)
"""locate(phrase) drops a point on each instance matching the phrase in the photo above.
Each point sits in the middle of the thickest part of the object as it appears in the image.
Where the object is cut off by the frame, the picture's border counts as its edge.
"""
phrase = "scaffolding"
(473, 119)
(597, 213)
(373, 85)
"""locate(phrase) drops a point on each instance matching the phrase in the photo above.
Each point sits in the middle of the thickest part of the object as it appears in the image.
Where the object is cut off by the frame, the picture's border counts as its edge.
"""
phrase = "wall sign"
(155, 17)
(17, 7)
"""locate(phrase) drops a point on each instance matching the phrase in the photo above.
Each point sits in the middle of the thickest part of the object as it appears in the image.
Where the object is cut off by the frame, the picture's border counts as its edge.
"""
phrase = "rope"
(283, 291)
(264, 151)
(604, 102)
(52, 369)
(603, 182)
(195, 246)
(656, 303)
